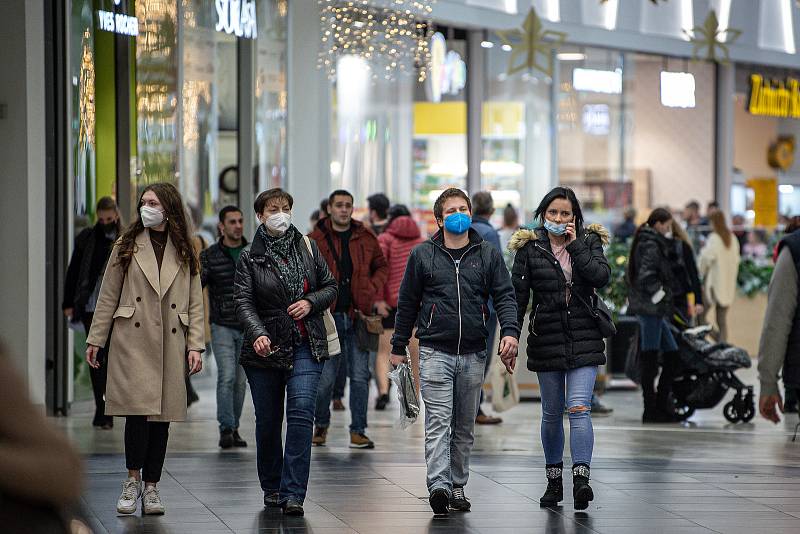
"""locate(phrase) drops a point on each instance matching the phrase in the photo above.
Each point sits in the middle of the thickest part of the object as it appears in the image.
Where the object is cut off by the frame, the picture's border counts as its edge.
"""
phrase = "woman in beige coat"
(151, 304)
(719, 268)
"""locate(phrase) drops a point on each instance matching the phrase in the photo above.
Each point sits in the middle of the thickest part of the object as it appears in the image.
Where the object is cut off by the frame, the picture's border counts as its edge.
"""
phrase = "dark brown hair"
(452, 192)
(276, 193)
(177, 228)
(658, 215)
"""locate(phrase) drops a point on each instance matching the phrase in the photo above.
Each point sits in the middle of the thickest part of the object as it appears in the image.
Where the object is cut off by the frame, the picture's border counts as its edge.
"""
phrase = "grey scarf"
(287, 259)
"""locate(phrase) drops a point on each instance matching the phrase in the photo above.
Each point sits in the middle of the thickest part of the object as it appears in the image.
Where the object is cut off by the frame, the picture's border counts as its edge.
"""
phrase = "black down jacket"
(561, 335)
(651, 271)
(447, 299)
(217, 273)
(261, 303)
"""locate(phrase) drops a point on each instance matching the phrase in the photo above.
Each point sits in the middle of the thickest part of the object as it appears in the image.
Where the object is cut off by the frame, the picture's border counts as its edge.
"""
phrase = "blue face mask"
(555, 229)
(457, 223)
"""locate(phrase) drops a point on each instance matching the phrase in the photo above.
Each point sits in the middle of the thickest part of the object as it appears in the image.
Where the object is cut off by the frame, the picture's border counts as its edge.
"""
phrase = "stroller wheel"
(683, 411)
(748, 413)
(730, 412)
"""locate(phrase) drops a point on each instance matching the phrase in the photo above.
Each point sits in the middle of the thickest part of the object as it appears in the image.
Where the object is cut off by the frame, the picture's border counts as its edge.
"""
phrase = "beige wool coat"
(156, 318)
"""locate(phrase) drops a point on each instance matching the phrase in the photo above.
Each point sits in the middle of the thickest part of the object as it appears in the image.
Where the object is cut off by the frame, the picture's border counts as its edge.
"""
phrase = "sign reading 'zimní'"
(781, 99)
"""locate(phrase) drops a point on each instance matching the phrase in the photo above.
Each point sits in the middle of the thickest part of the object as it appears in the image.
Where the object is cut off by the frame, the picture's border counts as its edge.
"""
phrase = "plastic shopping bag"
(403, 379)
(505, 391)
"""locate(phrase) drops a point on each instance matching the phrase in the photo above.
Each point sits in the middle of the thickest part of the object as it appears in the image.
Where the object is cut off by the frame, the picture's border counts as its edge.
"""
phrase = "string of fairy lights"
(392, 38)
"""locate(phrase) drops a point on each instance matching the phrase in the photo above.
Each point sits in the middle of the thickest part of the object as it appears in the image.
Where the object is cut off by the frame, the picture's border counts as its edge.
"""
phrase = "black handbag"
(602, 315)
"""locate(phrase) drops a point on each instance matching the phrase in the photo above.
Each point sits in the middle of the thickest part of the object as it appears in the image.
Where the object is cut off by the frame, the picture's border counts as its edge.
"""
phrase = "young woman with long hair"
(562, 263)
(688, 291)
(651, 286)
(151, 304)
(719, 267)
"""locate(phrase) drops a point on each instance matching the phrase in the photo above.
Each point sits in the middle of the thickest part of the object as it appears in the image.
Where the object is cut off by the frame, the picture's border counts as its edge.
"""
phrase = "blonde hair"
(720, 227)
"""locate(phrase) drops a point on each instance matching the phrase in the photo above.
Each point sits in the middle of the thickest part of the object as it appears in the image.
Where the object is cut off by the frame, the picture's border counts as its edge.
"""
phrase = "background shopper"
(152, 295)
(82, 288)
(719, 267)
(562, 263)
(651, 299)
(280, 293)
(217, 274)
(687, 292)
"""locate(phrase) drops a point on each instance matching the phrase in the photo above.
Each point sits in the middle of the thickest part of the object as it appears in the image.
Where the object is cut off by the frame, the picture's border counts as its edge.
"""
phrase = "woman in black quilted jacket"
(281, 289)
(651, 288)
(561, 263)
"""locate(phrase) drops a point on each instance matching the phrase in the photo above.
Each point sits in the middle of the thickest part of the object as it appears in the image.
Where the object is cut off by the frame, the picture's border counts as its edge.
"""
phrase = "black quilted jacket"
(217, 273)
(561, 336)
(261, 303)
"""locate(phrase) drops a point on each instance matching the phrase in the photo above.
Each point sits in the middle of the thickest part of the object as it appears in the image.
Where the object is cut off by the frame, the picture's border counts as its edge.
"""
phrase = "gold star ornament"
(709, 37)
(531, 43)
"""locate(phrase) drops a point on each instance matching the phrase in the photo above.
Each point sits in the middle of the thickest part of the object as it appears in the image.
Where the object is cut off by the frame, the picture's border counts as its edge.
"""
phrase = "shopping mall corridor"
(707, 476)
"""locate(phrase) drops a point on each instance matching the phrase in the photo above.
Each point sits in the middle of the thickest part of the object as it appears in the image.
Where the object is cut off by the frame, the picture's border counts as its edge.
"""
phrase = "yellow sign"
(765, 202)
(769, 100)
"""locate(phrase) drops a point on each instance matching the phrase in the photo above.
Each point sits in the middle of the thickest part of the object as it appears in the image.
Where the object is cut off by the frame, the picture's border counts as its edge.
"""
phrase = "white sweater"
(719, 267)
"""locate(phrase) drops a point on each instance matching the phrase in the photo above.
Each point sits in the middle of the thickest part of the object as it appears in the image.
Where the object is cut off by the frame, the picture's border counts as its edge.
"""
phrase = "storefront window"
(516, 135)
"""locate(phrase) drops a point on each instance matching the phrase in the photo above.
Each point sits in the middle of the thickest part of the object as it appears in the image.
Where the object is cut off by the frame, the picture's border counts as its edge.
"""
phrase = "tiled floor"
(707, 476)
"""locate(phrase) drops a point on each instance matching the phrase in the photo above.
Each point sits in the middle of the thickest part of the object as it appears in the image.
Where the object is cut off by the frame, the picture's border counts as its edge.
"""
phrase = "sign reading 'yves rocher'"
(237, 17)
(117, 22)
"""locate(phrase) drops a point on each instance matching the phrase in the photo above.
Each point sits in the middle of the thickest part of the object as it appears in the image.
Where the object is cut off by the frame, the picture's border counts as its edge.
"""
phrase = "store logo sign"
(448, 72)
(774, 99)
(117, 22)
(596, 119)
(237, 17)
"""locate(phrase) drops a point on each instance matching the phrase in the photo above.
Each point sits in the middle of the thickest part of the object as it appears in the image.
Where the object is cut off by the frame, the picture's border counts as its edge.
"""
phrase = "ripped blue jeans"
(571, 389)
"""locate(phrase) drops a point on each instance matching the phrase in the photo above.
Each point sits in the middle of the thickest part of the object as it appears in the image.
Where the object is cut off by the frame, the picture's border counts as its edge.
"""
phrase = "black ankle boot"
(555, 485)
(581, 491)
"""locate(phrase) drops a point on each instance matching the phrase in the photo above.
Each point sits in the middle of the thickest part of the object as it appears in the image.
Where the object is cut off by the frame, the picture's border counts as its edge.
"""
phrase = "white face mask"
(151, 217)
(279, 222)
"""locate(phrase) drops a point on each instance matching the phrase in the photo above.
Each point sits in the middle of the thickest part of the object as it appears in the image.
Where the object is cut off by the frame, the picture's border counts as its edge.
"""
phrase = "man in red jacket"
(357, 263)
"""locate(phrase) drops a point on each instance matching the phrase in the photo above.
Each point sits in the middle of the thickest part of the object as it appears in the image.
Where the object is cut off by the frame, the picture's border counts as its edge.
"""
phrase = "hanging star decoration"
(709, 36)
(531, 42)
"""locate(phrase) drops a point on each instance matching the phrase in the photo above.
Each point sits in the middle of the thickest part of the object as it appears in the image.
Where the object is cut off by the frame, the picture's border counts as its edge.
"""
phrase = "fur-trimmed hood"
(523, 235)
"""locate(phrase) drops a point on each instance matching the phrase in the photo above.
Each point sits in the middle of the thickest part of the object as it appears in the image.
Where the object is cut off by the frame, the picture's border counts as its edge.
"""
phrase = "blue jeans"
(578, 393)
(284, 469)
(357, 369)
(451, 391)
(231, 380)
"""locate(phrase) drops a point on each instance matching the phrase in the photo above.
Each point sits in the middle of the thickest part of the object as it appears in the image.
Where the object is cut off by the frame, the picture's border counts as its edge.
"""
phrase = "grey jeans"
(451, 390)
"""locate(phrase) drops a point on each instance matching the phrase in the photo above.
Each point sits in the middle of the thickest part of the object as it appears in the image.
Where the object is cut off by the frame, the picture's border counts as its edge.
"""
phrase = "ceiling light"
(487, 44)
(506, 48)
(571, 56)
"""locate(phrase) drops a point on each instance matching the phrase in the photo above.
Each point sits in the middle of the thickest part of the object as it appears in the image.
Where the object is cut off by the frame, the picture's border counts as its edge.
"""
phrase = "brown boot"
(320, 436)
(360, 441)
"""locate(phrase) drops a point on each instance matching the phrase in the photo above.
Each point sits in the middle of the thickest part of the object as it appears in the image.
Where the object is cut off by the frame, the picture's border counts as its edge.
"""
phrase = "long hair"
(679, 233)
(177, 228)
(556, 193)
(717, 220)
(658, 215)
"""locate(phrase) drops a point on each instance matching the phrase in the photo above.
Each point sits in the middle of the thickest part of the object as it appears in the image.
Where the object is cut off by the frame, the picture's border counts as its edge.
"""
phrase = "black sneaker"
(439, 500)
(459, 501)
(382, 401)
(293, 507)
(237, 440)
(226, 438)
(271, 499)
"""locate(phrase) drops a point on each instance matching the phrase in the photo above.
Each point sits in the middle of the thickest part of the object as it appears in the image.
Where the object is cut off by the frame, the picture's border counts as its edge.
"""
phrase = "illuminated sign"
(237, 17)
(448, 72)
(677, 89)
(596, 119)
(774, 99)
(117, 22)
(597, 81)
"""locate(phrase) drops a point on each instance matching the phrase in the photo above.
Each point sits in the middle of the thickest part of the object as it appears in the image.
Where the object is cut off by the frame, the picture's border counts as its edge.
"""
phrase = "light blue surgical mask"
(458, 223)
(555, 229)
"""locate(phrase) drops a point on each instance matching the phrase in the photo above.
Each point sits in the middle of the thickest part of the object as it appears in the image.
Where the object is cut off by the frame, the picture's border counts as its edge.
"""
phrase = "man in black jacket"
(82, 287)
(445, 291)
(218, 269)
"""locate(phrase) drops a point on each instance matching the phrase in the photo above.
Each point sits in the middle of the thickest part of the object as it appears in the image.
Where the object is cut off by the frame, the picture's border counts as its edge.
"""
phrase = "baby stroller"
(704, 373)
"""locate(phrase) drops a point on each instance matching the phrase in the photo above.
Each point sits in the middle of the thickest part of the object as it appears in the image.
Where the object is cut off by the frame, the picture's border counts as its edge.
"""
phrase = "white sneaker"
(151, 502)
(131, 490)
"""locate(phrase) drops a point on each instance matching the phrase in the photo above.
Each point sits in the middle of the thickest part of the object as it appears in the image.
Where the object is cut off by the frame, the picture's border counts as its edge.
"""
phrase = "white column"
(308, 128)
(726, 85)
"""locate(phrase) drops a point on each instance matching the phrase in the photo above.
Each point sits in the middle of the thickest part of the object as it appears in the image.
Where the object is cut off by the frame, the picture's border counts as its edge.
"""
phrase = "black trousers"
(145, 446)
(99, 378)
(657, 398)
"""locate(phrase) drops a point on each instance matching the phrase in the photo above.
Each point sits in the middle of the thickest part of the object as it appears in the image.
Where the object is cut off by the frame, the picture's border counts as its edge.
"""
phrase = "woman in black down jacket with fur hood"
(562, 263)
